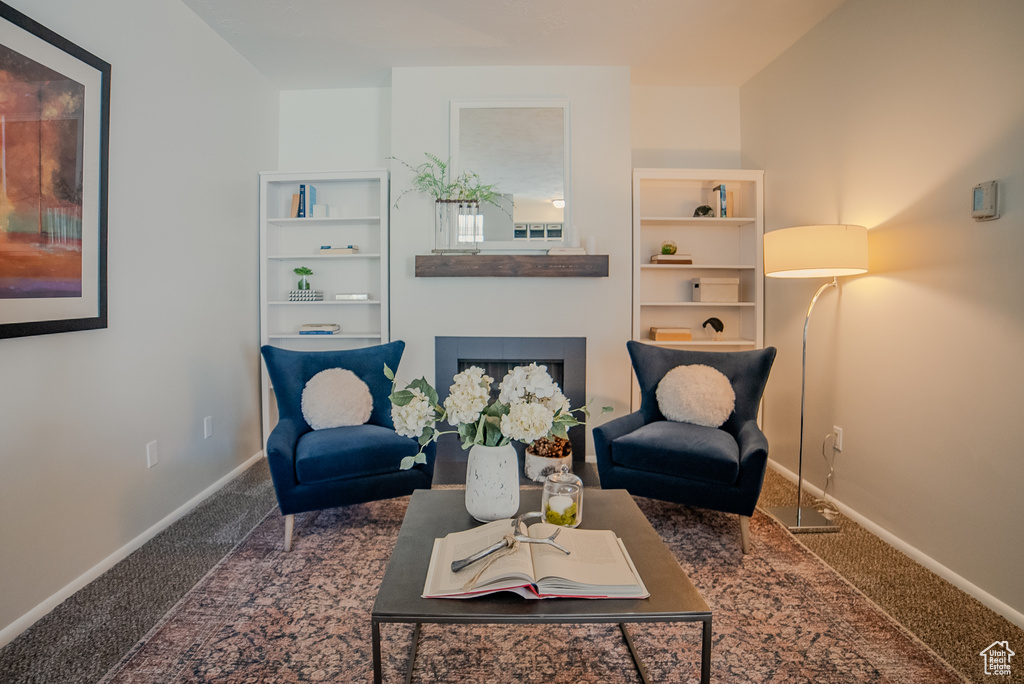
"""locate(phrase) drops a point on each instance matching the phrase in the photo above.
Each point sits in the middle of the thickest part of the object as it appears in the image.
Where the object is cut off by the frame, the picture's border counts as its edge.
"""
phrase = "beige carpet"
(955, 625)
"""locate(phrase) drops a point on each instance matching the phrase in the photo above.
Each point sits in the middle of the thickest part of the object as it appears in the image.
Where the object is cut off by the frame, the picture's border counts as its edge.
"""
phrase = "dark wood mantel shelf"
(511, 266)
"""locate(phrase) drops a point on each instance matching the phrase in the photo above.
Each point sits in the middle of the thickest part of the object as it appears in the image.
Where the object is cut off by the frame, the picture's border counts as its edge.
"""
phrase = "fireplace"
(565, 357)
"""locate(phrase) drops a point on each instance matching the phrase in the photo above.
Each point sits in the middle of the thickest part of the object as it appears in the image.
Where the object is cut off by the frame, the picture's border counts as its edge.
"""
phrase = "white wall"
(334, 130)
(885, 115)
(191, 125)
(687, 128)
(595, 308)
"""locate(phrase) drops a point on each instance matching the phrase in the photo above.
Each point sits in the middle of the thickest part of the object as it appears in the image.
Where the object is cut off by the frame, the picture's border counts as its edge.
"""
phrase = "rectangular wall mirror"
(521, 147)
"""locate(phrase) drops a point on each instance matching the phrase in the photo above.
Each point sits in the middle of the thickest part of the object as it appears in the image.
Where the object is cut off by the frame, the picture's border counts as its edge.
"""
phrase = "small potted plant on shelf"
(303, 271)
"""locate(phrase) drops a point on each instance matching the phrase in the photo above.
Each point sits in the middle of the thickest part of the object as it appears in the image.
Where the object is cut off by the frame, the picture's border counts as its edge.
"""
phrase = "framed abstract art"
(54, 127)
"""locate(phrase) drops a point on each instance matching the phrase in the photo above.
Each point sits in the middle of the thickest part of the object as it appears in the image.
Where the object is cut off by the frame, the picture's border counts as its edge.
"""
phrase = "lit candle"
(559, 503)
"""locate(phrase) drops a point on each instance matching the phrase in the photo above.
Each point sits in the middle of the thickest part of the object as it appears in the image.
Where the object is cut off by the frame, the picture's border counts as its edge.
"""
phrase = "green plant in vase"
(303, 271)
(433, 177)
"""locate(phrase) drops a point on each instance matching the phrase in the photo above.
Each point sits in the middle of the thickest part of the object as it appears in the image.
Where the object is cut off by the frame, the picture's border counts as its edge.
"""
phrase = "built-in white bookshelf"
(664, 202)
(356, 206)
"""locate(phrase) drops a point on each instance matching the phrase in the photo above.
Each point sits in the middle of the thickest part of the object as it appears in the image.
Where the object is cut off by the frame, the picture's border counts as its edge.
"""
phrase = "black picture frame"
(42, 288)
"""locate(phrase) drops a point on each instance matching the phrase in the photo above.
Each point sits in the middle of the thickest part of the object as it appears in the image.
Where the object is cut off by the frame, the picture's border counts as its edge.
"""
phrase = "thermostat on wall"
(986, 201)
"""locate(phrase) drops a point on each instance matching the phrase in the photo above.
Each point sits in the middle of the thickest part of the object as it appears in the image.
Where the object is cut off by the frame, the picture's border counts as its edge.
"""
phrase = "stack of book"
(671, 334)
(351, 297)
(671, 258)
(319, 329)
(330, 249)
(305, 295)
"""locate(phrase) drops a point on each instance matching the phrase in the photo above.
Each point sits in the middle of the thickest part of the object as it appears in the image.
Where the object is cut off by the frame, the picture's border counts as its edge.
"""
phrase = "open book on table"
(596, 567)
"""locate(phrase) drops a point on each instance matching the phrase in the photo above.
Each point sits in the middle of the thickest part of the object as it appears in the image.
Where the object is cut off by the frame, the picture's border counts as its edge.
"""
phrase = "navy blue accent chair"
(317, 469)
(721, 469)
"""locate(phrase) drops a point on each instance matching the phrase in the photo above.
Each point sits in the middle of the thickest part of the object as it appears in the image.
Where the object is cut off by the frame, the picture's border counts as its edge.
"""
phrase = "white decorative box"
(716, 289)
(305, 295)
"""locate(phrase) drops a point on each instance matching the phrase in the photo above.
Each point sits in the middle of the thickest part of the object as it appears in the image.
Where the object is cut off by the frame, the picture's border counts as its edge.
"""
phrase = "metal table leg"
(636, 656)
(705, 653)
(378, 675)
(412, 652)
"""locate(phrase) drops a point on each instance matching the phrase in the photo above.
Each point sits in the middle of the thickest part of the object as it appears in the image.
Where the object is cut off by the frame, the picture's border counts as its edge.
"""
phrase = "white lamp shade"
(816, 251)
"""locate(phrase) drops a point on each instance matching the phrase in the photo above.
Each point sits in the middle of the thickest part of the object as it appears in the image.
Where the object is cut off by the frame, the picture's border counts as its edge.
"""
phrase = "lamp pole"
(797, 519)
(803, 396)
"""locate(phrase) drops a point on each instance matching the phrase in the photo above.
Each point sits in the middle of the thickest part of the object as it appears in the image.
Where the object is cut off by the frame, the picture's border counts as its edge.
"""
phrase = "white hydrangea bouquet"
(530, 405)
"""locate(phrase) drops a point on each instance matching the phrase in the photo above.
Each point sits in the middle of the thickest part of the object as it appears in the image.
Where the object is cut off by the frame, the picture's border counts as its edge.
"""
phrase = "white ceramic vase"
(492, 482)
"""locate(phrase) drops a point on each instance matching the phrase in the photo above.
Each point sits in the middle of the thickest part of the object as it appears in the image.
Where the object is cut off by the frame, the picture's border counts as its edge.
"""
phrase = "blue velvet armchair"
(720, 469)
(317, 469)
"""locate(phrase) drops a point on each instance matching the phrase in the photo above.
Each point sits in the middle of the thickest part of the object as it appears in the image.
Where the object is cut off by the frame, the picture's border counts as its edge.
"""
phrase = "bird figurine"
(714, 328)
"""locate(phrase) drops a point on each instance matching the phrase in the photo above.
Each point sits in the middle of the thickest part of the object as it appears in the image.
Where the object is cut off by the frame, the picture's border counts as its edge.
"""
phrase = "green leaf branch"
(433, 177)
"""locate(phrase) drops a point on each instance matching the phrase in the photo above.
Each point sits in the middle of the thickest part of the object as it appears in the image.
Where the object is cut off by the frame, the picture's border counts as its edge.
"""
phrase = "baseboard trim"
(987, 599)
(11, 631)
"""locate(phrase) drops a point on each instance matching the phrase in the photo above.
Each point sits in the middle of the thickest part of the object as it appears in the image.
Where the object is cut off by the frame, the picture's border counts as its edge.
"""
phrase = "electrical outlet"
(837, 438)
(207, 427)
(152, 456)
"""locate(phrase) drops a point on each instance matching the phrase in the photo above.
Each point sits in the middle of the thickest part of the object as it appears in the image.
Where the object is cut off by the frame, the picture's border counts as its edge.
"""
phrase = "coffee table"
(435, 513)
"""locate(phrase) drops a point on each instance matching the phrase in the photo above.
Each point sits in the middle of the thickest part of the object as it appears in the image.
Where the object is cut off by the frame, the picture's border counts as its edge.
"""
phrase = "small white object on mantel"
(561, 251)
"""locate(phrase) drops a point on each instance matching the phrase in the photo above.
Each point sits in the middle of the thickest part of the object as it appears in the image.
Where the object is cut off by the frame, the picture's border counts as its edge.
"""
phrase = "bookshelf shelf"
(706, 305)
(699, 343)
(331, 302)
(699, 267)
(311, 222)
(336, 336)
(698, 221)
(303, 257)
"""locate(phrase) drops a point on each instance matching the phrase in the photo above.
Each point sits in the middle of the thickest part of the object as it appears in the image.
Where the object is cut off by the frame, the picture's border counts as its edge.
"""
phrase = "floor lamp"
(826, 251)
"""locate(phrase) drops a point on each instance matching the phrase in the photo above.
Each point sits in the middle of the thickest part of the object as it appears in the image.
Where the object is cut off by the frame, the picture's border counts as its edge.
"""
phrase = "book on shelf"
(671, 334)
(330, 249)
(319, 329)
(597, 566)
(294, 213)
(719, 201)
(671, 259)
(351, 297)
(307, 198)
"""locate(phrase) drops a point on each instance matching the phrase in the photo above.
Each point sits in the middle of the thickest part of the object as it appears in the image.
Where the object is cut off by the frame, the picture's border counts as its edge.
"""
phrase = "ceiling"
(314, 44)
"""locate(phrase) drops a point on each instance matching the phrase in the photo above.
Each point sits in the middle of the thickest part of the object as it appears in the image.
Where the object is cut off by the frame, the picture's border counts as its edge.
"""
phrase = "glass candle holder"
(562, 499)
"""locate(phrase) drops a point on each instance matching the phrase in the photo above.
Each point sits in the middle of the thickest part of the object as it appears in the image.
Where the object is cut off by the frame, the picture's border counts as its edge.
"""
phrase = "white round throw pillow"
(336, 397)
(696, 394)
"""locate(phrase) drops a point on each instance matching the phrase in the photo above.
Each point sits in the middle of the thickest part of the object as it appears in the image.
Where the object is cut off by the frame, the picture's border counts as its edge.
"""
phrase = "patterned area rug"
(262, 615)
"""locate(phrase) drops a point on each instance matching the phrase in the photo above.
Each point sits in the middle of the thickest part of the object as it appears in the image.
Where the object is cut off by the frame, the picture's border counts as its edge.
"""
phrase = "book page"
(516, 568)
(595, 557)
